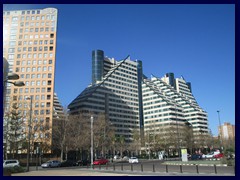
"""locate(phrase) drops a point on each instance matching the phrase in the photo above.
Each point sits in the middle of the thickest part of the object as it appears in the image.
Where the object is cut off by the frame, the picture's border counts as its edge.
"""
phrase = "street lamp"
(91, 141)
(177, 128)
(16, 83)
(29, 131)
(220, 131)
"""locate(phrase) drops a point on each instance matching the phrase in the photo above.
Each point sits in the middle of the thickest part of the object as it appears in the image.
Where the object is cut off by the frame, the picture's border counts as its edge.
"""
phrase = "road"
(149, 167)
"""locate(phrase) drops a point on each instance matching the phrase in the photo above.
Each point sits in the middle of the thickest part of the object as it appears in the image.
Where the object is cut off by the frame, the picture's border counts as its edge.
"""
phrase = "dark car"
(196, 156)
(68, 163)
(83, 162)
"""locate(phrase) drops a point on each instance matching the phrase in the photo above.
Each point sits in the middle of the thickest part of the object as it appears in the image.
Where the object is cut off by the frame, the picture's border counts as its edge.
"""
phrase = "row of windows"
(129, 68)
(35, 42)
(121, 87)
(29, 18)
(36, 36)
(30, 55)
(30, 49)
(30, 24)
(34, 104)
(38, 83)
(23, 12)
(31, 90)
(36, 97)
(34, 69)
(33, 62)
(12, 42)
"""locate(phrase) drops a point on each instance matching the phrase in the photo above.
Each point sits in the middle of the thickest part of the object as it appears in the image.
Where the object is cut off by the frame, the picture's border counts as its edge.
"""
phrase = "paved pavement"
(91, 172)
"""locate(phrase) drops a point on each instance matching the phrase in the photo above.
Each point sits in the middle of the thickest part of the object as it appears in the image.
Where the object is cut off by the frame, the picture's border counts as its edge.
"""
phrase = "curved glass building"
(97, 65)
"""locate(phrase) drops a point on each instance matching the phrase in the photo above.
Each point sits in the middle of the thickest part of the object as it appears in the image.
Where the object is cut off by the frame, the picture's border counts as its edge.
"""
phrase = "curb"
(195, 164)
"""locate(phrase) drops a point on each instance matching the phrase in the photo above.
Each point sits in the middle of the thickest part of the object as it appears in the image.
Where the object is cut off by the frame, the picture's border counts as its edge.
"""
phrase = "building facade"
(134, 102)
(114, 92)
(29, 45)
(169, 104)
(226, 131)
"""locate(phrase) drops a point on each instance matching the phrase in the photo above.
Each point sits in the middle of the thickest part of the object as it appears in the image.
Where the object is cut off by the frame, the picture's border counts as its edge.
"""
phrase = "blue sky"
(195, 41)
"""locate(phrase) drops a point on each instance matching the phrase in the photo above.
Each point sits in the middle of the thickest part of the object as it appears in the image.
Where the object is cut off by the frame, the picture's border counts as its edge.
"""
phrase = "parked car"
(133, 160)
(196, 156)
(51, 163)
(100, 161)
(116, 157)
(10, 163)
(68, 163)
(82, 162)
(211, 154)
(220, 155)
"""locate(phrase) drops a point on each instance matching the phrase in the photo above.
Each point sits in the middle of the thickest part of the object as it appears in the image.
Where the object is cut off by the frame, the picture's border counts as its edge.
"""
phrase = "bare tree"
(14, 134)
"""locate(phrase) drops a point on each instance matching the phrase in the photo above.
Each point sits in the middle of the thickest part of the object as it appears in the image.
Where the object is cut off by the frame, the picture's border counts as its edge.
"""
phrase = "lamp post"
(177, 130)
(220, 131)
(6, 78)
(29, 132)
(91, 141)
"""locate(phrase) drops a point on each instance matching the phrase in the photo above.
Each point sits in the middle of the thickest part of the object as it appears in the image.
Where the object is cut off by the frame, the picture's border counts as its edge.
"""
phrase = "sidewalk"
(90, 172)
(71, 172)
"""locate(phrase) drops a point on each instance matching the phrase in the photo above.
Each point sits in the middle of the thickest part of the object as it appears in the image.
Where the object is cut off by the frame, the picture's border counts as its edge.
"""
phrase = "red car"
(220, 155)
(100, 161)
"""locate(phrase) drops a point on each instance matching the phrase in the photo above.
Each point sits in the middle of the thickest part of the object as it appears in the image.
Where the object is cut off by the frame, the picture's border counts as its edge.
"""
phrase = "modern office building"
(29, 45)
(168, 102)
(114, 91)
(133, 102)
(227, 131)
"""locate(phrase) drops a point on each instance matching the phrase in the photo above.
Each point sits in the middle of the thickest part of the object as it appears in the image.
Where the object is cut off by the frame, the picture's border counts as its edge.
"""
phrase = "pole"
(220, 131)
(177, 130)
(29, 133)
(92, 141)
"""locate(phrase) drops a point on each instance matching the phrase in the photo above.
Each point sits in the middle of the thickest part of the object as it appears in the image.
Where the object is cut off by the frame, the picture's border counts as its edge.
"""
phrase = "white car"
(133, 160)
(10, 163)
(210, 155)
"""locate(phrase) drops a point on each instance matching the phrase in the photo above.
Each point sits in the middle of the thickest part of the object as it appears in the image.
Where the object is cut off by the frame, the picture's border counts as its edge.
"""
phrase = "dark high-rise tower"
(97, 65)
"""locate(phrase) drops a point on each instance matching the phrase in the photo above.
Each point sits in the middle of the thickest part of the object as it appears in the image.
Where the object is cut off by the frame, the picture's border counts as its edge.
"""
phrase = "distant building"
(226, 131)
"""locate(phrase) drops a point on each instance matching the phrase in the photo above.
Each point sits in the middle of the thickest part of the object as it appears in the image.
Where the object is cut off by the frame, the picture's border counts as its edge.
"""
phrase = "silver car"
(51, 163)
(10, 163)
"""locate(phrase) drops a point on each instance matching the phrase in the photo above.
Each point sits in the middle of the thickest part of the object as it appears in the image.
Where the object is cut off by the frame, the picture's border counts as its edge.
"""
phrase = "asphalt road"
(150, 167)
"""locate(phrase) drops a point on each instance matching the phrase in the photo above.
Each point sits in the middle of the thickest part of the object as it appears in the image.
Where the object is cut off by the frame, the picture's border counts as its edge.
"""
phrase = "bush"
(11, 170)
(229, 162)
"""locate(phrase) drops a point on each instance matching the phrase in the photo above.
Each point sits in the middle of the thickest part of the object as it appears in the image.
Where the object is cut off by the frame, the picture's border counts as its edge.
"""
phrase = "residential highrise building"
(134, 102)
(168, 102)
(29, 45)
(227, 131)
(114, 91)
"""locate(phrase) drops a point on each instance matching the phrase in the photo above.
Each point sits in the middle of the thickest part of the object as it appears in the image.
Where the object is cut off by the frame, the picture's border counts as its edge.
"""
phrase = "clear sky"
(195, 41)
